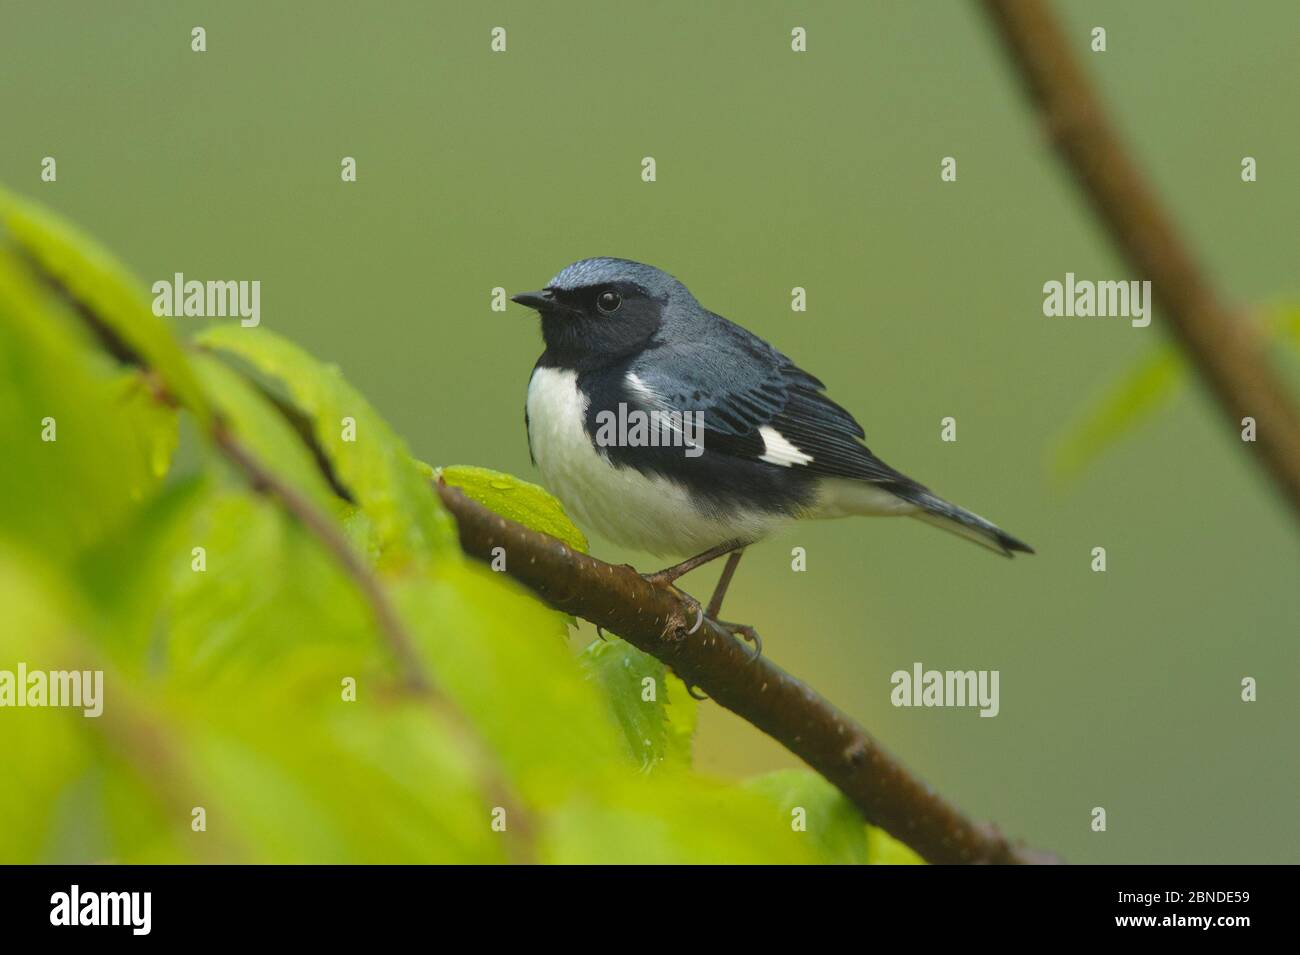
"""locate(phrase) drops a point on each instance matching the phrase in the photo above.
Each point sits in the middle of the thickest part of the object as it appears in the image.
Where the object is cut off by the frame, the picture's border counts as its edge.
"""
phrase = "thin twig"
(656, 619)
(1226, 351)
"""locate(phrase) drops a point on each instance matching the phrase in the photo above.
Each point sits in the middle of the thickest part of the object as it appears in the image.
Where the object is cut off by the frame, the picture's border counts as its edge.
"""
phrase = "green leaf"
(516, 500)
(112, 441)
(409, 522)
(284, 781)
(45, 750)
(270, 601)
(68, 259)
(1137, 395)
(674, 819)
(154, 544)
(884, 849)
(500, 654)
(263, 430)
(832, 822)
(243, 715)
(657, 731)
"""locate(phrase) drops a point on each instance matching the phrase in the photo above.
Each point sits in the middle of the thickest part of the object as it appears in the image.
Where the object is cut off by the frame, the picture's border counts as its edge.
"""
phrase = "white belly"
(648, 513)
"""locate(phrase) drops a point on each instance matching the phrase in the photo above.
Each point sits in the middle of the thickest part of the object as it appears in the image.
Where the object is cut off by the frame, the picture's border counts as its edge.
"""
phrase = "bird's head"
(597, 311)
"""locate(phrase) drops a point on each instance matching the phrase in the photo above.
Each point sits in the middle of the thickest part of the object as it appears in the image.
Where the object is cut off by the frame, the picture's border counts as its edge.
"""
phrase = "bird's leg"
(670, 574)
(720, 591)
(736, 549)
(744, 631)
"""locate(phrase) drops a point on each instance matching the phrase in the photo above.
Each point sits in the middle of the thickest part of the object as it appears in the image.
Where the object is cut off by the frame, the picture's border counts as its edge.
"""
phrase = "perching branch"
(655, 619)
(1226, 351)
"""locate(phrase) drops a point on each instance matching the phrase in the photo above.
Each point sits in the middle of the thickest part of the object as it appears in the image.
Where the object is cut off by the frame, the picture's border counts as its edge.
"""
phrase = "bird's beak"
(540, 301)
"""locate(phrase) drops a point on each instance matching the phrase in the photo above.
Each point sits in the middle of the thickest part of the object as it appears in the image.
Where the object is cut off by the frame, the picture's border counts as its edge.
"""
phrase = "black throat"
(579, 337)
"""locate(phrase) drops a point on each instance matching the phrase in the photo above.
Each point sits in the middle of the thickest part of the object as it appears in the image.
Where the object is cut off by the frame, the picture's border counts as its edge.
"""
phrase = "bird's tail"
(935, 510)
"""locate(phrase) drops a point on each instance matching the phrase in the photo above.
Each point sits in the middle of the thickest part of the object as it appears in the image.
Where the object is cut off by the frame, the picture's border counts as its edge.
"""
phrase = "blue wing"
(742, 386)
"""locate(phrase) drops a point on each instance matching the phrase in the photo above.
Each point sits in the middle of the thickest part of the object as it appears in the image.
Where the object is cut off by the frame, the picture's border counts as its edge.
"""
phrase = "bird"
(748, 442)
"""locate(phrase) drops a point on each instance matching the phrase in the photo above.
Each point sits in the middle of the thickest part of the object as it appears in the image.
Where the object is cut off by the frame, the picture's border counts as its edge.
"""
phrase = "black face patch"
(581, 334)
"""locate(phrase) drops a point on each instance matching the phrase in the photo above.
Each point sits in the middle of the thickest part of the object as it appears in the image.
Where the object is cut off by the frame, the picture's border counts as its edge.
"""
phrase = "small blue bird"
(669, 429)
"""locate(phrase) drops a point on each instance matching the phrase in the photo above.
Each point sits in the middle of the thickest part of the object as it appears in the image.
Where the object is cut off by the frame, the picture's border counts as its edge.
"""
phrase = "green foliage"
(70, 262)
(651, 704)
(884, 849)
(374, 465)
(112, 444)
(518, 500)
(244, 671)
(1138, 394)
(830, 820)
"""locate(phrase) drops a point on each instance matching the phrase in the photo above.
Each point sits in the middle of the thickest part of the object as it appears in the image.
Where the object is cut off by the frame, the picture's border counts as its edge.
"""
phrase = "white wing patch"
(777, 450)
(658, 406)
(648, 394)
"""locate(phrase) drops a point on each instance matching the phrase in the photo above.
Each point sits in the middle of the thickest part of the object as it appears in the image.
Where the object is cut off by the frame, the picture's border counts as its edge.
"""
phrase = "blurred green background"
(774, 170)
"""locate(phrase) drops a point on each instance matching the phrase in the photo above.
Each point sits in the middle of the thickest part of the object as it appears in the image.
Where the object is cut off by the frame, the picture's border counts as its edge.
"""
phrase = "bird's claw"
(746, 633)
(693, 694)
(662, 580)
(699, 612)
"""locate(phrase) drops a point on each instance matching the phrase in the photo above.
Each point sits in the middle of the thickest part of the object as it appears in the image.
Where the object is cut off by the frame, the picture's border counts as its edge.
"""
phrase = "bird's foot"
(661, 579)
(699, 612)
(746, 633)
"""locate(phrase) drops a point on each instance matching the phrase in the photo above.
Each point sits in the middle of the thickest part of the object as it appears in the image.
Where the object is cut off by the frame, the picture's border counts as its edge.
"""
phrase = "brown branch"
(655, 619)
(1226, 351)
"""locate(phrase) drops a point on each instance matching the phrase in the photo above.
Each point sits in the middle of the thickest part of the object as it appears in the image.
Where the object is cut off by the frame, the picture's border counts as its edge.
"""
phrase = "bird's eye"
(608, 302)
